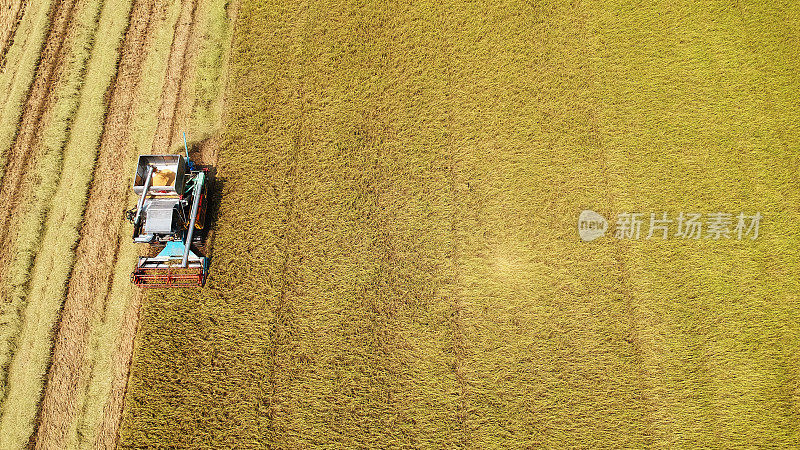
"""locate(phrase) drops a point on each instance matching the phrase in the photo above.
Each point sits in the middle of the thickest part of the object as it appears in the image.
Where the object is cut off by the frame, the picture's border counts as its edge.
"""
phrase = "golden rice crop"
(396, 260)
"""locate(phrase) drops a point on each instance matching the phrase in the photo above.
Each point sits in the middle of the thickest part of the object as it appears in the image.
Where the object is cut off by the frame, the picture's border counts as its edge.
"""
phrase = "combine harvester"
(172, 205)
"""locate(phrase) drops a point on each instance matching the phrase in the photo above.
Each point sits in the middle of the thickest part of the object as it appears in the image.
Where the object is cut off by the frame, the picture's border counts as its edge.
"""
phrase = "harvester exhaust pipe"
(198, 186)
(147, 179)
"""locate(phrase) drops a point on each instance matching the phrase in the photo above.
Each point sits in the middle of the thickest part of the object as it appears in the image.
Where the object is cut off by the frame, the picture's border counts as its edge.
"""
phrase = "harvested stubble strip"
(16, 79)
(153, 72)
(20, 184)
(51, 268)
(211, 72)
(97, 247)
(29, 219)
(25, 151)
(10, 18)
(170, 112)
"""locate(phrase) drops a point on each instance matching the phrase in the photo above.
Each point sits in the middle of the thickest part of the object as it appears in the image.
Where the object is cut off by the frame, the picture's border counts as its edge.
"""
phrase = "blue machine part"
(189, 162)
(175, 250)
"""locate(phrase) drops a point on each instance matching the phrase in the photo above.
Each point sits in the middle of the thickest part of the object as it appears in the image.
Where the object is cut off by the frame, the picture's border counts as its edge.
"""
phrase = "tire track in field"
(178, 65)
(282, 322)
(457, 307)
(99, 241)
(21, 160)
(621, 262)
(458, 343)
(10, 17)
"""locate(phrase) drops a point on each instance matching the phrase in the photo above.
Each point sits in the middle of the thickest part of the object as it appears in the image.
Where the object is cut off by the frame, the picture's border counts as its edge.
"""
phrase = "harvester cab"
(171, 211)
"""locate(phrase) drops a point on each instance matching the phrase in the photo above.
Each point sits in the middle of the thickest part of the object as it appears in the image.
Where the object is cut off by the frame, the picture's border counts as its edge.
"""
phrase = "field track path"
(11, 12)
(98, 246)
(172, 110)
(21, 155)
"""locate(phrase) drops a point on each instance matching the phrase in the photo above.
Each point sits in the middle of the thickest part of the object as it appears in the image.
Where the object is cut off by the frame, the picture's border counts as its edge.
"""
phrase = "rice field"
(396, 260)
(395, 251)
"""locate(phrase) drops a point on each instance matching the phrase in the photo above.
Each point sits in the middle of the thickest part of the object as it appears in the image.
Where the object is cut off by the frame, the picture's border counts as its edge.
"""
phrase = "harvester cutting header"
(171, 211)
